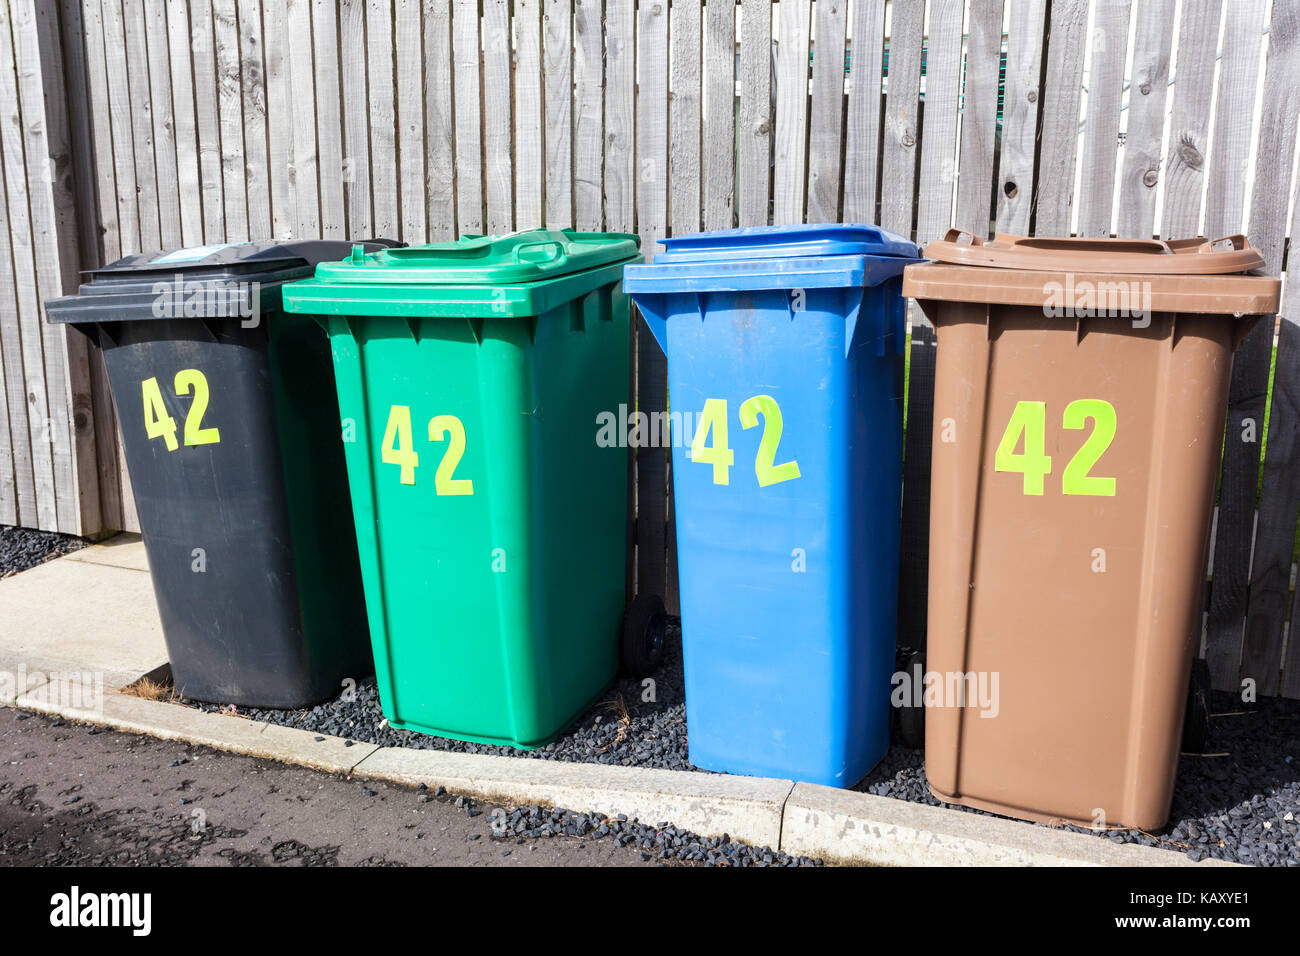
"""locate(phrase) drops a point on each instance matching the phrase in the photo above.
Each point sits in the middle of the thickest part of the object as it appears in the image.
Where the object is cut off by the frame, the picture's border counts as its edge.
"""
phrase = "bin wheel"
(909, 720)
(1196, 722)
(644, 626)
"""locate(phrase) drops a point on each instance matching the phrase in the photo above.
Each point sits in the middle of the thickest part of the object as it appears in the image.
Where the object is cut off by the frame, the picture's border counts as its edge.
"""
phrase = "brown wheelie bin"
(1080, 395)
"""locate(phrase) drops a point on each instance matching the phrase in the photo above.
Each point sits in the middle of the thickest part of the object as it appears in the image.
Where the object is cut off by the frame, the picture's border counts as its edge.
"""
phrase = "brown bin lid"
(1180, 275)
(1127, 256)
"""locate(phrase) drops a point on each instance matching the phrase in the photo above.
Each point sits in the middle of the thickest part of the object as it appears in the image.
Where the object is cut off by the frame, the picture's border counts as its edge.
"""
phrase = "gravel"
(23, 548)
(1239, 802)
(620, 729)
(1241, 805)
(659, 842)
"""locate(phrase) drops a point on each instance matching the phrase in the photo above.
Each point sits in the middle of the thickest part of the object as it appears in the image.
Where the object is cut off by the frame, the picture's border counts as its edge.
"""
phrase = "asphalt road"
(70, 795)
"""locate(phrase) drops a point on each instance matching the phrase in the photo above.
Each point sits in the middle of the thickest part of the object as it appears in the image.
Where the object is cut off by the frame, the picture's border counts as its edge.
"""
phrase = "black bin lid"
(153, 285)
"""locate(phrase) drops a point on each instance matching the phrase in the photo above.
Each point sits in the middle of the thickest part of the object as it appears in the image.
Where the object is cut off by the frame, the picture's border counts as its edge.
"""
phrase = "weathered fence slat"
(862, 123)
(356, 113)
(173, 22)
(381, 96)
(331, 165)
(77, 38)
(466, 97)
(1198, 42)
(54, 241)
(719, 159)
(207, 119)
(557, 62)
(17, 481)
(979, 117)
(439, 124)
(1021, 100)
(754, 135)
(410, 120)
(588, 118)
(943, 83)
(898, 172)
(1140, 174)
(109, 243)
(684, 117)
(790, 153)
(498, 134)
(253, 94)
(826, 123)
(24, 335)
(620, 117)
(304, 178)
(1109, 41)
(1054, 184)
(231, 109)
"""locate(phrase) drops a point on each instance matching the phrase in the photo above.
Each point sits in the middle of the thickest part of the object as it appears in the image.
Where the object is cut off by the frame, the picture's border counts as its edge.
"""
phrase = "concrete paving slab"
(119, 551)
(220, 731)
(82, 616)
(746, 808)
(848, 827)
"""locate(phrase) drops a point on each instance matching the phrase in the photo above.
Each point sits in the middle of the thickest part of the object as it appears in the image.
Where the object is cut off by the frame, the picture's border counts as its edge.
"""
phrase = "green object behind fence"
(491, 525)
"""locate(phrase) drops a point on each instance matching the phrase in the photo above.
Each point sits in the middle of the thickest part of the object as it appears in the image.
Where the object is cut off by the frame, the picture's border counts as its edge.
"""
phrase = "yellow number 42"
(398, 449)
(159, 424)
(1028, 425)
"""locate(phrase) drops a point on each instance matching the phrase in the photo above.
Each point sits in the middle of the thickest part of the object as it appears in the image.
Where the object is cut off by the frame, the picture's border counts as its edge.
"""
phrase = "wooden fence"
(138, 124)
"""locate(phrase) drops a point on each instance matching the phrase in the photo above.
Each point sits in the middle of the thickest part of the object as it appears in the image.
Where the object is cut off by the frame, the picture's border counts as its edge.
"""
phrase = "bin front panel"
(787, 583)
(1069, 588)
(493, 568)
(215, 516)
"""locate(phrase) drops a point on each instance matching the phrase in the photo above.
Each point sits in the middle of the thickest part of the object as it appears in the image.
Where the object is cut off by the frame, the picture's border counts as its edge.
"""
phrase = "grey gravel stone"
(23, 548)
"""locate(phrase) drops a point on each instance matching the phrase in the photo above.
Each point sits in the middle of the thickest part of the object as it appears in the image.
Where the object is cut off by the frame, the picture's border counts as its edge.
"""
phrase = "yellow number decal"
(449, 426)
(1029, 419)
(719, 454)
(765, 468)
(192, 380)
(398, 448)
(1076, 480)
(157, 423)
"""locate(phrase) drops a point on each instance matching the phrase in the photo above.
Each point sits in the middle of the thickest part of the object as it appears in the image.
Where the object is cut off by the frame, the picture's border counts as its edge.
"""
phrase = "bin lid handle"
(557, 251)
(955, 235)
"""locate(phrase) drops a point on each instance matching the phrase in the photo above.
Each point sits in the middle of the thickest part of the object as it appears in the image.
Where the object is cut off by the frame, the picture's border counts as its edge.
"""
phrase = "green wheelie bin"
(491, 522)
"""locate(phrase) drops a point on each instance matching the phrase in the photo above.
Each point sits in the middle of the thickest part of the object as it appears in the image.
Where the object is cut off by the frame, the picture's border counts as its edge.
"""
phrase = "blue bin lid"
(818, 255)
(785, 242)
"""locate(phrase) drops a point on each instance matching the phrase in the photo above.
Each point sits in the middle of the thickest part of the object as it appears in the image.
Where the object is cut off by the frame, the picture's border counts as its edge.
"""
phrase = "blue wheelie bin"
(785, 384)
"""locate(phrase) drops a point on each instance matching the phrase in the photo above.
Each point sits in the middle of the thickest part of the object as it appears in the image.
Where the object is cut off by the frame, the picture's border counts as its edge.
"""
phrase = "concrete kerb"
(800, 819)
(847, 827)
(748, 809)
(219, 731)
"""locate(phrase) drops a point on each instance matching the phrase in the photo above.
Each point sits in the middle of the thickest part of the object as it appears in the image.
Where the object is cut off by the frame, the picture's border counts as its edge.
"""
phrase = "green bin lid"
(530, 256)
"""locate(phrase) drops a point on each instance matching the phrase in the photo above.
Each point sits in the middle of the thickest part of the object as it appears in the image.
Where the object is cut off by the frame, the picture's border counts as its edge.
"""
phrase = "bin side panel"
(214, 515)
(579, 489)
(431, 594)
(783, 678)
(320, 512)
(494, 573)
(1071, 619)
